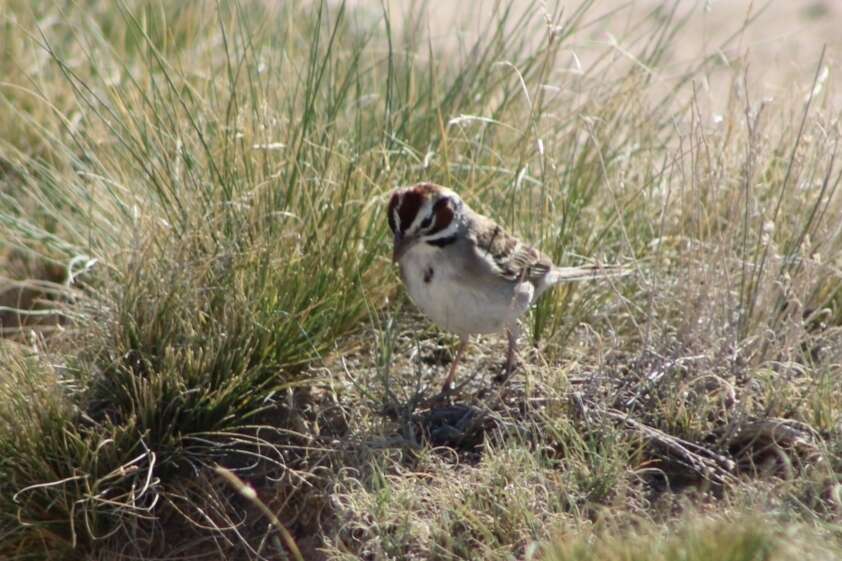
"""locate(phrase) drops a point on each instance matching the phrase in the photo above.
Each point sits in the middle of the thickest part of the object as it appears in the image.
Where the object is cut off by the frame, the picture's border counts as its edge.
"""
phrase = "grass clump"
(741, 537)
(211, 280)
(502, 503)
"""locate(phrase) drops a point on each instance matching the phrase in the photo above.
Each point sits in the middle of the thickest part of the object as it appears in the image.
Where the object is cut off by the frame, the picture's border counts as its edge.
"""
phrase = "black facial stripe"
(442, 242)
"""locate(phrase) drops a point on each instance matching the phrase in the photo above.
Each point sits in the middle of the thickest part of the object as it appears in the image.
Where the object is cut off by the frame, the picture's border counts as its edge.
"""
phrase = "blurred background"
(780, 45)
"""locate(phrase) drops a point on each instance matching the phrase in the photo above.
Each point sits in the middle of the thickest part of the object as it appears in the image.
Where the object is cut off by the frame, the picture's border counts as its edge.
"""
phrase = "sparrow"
(465, 272)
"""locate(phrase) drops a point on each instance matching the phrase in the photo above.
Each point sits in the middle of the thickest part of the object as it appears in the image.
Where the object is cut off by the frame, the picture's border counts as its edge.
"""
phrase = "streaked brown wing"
(511, 258)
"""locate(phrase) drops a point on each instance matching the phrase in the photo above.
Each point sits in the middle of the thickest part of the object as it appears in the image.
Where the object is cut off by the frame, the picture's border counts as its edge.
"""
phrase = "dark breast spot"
(428, 274)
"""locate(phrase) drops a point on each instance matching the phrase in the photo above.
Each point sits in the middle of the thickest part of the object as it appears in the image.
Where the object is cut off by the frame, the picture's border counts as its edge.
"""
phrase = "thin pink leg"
(512, 333)
(463, 344)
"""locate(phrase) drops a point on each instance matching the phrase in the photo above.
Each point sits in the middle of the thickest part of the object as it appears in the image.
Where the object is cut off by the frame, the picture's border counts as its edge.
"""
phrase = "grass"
(208, 352)
(739, 538)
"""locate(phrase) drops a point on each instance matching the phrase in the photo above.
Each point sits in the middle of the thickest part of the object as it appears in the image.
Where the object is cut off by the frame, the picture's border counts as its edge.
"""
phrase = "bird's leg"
(512, 333)
(521, 298)
(463, 344)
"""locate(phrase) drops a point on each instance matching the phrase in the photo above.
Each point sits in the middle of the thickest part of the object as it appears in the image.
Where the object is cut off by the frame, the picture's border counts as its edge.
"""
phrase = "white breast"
(439, 289)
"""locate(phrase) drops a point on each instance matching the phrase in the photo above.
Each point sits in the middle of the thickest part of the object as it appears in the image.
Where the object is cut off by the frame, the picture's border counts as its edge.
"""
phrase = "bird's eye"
(426, 222)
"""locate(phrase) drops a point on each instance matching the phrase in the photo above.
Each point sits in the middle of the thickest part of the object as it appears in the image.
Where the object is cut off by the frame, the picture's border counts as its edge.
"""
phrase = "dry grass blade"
(706, 463)
(774, 445)
(249, 493)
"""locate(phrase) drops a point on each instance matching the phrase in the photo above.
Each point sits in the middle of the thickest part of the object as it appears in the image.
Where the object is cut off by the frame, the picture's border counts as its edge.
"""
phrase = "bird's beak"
(402, 245)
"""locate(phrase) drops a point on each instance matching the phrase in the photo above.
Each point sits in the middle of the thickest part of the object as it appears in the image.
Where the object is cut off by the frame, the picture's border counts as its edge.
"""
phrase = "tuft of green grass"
(500, 506)
(738, 538)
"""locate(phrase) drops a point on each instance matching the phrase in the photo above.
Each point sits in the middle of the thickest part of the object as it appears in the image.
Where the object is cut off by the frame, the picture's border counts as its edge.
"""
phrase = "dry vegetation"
(207, 352)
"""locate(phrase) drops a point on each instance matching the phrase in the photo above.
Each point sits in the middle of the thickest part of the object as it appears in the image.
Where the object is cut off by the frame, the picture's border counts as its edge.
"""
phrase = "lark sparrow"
(464, 271)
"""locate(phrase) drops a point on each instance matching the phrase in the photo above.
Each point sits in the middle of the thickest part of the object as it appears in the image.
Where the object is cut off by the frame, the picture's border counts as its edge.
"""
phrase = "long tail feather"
(587, 272)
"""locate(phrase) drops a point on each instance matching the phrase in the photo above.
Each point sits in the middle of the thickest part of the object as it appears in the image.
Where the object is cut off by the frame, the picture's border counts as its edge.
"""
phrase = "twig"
(249, 493)
(703, 461)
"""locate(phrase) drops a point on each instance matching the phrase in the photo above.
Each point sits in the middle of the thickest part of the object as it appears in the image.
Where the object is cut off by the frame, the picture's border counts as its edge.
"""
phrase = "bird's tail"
(587, 272)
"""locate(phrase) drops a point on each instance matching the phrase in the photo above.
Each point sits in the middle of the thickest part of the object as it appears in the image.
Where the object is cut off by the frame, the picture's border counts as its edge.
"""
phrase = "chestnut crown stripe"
(443, 216)
(410, 204)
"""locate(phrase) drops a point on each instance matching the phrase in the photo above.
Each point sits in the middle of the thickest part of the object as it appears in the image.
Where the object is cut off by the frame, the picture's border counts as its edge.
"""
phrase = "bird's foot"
(507, 369)
(442, 399)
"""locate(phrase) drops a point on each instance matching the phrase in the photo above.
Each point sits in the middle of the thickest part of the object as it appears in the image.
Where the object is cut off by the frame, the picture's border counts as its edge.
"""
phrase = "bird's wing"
(507, 256)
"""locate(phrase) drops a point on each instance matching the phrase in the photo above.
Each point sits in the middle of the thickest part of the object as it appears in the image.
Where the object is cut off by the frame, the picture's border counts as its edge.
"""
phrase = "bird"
(465, 272)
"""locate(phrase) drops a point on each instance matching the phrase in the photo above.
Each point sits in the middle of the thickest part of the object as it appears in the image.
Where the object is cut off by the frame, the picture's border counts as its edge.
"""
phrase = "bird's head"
(423, 213)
